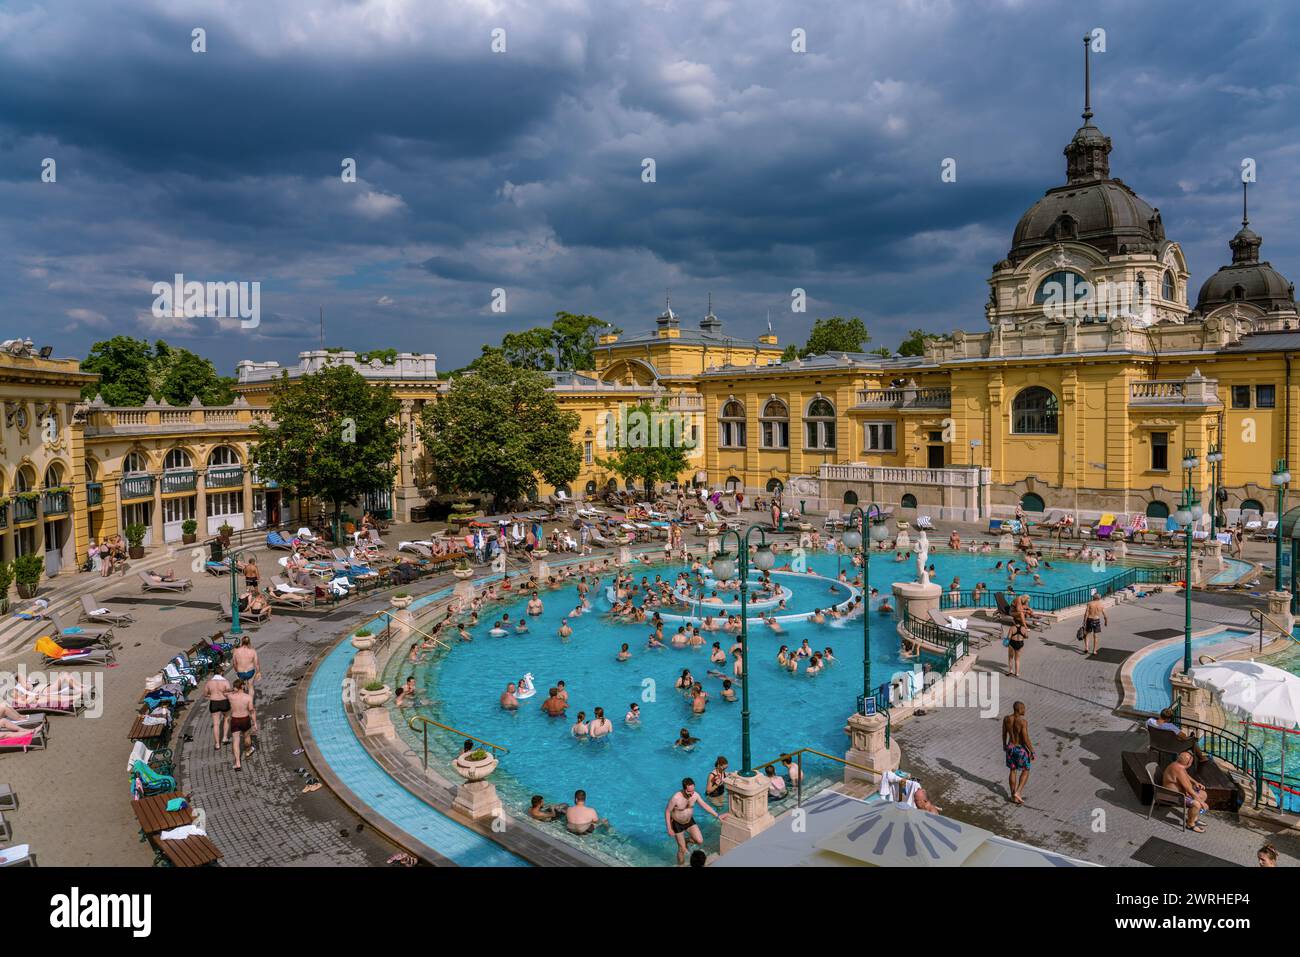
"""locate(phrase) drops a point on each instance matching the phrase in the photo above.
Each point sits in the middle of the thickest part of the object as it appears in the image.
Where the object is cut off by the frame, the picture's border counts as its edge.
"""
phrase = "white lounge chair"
(924, 522)
(157, 584)
(19, 855)
(93, 610)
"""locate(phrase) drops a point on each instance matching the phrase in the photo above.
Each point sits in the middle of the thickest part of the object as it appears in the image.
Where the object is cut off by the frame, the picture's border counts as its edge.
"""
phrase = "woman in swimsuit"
(215, 691)
(715, 787)
(1016, 638)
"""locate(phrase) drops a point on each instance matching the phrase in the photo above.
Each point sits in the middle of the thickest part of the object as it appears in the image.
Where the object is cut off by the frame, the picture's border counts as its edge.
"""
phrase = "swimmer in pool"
(601, 725)
(685, 681)
(623, 653)
(580, 728)
(535, 606)
(817, 618)
(521, 627)
(717, 656)
(699, 698)
(774, 624)
(633, 715)
(828, 655)
(814, 665)
(565, 630)
(685, 741)
(728, 692)
(654, 642)
(464, 635)
(508, 700)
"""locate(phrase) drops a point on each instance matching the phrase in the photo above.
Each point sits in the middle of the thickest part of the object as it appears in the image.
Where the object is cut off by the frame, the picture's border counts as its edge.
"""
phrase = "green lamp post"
(724, 568)
(1281, 479)
(1188, 514)
(854, 539)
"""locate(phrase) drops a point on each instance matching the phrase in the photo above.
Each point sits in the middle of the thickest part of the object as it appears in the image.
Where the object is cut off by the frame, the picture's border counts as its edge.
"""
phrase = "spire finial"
(1245, 219)
(710, 303)
(769, 319)
(1087, 81)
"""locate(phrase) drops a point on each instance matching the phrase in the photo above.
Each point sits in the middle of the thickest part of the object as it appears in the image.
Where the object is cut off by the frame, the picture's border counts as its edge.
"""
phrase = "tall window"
(1160, 451)
(135, 464)
(1167, 289)
(1033, 412)
(176, 459)
(731, 425)
(1265, 396)
(222, 455)
(54, 475)
(819, 425)
(879, 437)
(775, 422)
(588, 453)
(1241, 397)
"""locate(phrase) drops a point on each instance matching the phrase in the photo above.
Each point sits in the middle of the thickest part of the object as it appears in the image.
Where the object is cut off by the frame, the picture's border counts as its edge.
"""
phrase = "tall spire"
(1087, 80)
(1245, 245)
(1087, 156)
(1245, 218)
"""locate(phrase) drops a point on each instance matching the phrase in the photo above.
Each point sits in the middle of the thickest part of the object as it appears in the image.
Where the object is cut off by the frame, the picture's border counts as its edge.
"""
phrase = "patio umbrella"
(1263, 693)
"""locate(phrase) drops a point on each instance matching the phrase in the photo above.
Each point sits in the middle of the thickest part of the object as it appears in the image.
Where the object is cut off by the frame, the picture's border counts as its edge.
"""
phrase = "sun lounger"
(1269, 533)
(46, 702)
(283, 587)
(423, 549)
(20, 855)
(8, 799)
(148, 583)
(54, 654)
(973, 627)
(93, 610)
(76, 636)
(924, 522)
(244, 615)
(33, 740)
(275, 540)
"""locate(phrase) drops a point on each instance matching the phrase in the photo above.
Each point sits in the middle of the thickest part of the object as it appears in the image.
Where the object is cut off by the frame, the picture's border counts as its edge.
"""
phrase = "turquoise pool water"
(630, 776)
(1151, 674)
(1233, 570)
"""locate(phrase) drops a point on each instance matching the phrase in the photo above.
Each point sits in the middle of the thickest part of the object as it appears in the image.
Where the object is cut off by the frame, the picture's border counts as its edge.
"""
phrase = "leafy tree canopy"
(566, 344)
(914, 344)
(833, 334)
(132, 371)
(650, 444)
(498, 431)
(333, 436)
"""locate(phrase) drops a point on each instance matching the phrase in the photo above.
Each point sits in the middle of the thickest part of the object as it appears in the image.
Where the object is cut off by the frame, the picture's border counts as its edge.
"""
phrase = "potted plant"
(375, 694)
(224, 533)
(189, 528)
(363, 640)
(6, 579)
(401, 600)
(135, 540)
(463, 570)
(475, 765)
(27, 573)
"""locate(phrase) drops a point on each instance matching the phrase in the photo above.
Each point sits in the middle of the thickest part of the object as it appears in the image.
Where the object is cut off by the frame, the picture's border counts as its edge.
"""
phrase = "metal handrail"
(434, 638)
(1260, 617)
(1229, 747)
(425, 722)
(798, 756)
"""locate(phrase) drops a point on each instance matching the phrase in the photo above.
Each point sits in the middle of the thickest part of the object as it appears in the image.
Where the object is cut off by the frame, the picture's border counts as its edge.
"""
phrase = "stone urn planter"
(464, 574)
(376, 699)
(375, 721)
(363, 642)
(477, 797)
(540, 553)
(401, 601)
(475, 770)
(623, 540)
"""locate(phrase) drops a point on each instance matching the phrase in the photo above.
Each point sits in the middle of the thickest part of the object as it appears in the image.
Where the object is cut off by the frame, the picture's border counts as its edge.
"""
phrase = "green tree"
(574, 338)
(333, 437)
(498, 431)
(650, 444)
(832, 334)
(530, 349)
(131, 372)
(914, 344)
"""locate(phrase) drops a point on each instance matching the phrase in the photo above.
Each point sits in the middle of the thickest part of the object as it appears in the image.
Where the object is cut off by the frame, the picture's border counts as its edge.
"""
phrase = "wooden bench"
(152, 815)
(195, 851)
(147, 732)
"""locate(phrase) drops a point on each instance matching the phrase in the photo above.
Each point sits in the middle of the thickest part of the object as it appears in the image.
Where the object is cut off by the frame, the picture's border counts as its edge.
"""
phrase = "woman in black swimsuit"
(714, 787)
(1016, 638)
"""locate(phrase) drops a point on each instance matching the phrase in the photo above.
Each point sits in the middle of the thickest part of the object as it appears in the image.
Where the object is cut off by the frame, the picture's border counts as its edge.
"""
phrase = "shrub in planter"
(225, 531)
(188, 529)
(27, 573)
(362, 633)
(375, 686)
(478, 755)
(135, 540)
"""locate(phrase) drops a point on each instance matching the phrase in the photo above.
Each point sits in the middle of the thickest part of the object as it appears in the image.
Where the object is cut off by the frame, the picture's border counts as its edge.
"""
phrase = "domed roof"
(1247, 279)
(1105, 214)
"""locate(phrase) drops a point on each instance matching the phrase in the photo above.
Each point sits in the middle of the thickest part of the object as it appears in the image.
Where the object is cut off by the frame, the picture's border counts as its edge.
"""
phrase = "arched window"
(612, 485)
(1253, 505)
(1157, 510)
(1033, 412)
(1238, 292)
(1031, 502)
(1065, 227)
(1061, 286)
(731, 425)
(1167, 287)
(24, 480)
(135, 464)
(775, 423)
(909, 501)
(92, 470)
(54, 475)
(591, 487)
(775, 485)
(177, 459)
(819, 425)
(732, 484)
(223, 455)
(850, 497)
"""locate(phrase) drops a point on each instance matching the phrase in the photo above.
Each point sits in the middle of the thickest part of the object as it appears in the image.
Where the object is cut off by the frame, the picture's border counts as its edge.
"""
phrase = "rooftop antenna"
(1087, 81)
(1245, 219)
(710, 303)
(769, 319)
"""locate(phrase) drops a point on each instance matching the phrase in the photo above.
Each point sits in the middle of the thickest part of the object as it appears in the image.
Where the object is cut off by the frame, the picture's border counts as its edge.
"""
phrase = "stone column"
(201, 503)
(1279, 609)
(867, 747)
(1195, 701)
(916, 599)
(158, 536)
(747, 804)
(248, 495)
(477, 797)
(1214, 554)
(710, 546)
(541, 571)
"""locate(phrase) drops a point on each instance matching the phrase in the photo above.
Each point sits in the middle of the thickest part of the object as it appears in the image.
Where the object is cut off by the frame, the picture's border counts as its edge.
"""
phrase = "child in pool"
(623, 653)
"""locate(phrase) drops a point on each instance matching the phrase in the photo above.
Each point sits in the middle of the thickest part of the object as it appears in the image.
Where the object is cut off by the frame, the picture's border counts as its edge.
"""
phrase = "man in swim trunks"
(242, 717)
(247, 666)
(216, 691)
(581, 819)
(1019, 750)
(1195, 798)
(554, 705)
(679, 818)
(1093, 617)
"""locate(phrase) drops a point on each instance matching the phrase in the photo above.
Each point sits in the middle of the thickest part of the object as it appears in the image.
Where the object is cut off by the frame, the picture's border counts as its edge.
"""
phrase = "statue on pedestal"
(922, 554)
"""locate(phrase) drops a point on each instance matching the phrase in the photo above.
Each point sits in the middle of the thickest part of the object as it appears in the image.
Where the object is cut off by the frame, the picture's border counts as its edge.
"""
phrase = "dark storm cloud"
(523, 170)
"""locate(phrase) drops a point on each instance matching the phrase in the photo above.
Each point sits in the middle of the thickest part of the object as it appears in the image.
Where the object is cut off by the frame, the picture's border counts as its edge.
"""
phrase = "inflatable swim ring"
(525, 687)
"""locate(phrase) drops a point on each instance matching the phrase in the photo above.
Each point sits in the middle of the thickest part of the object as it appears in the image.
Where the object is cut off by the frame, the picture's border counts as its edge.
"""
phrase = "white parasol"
(1263, 693)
